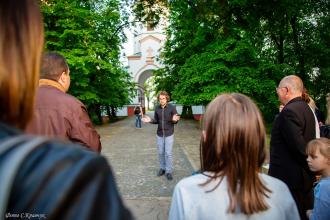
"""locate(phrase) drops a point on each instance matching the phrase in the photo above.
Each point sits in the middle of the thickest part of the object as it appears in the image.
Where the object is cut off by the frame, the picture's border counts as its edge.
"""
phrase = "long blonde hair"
(21, 44)
(234, 146)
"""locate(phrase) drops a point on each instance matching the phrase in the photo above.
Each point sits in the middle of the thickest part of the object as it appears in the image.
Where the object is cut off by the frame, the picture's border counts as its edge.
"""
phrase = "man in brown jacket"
(58, 114)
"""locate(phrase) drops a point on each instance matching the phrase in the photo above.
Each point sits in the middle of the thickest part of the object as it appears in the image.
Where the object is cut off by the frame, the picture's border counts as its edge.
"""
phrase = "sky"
(127, 46)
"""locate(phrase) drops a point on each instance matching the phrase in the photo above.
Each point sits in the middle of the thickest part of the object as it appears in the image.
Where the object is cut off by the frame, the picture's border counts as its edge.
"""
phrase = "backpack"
(14, 150)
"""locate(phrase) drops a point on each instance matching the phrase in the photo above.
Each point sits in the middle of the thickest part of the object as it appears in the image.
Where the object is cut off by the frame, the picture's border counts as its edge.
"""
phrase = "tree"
(244, 46)
(149, 88)
(86, 33)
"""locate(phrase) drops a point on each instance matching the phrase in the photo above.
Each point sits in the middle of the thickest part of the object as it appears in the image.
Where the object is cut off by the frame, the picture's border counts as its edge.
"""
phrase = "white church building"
(148, 43)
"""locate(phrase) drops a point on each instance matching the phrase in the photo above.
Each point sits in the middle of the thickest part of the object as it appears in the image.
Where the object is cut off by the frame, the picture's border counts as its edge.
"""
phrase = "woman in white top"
(230, 185)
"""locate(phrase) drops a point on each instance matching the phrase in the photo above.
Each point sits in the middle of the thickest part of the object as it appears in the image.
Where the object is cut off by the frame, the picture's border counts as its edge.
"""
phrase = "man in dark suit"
(292, 130)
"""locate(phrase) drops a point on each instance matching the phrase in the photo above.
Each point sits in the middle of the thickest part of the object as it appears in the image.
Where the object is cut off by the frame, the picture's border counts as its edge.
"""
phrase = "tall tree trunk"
(279, 42)
(113, 111)
(108, 111)
(98, 112)
(148, 99)
(224, 13)
(95, 110)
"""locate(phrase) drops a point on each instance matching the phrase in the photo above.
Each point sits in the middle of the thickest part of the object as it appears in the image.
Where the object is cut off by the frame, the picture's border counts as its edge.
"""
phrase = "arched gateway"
(147, 45)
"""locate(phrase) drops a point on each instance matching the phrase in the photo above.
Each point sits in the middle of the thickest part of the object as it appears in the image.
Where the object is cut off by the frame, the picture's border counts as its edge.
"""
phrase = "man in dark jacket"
(58, 114)
(165, 116)
(292, 130)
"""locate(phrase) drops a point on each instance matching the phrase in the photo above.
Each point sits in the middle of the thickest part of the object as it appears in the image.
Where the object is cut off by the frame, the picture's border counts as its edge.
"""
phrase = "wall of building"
(144, 60)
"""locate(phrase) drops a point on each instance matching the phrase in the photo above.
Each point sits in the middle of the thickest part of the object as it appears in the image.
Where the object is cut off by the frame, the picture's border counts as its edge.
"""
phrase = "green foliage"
(245, 46)
(86, 33)
(228, 66)
(151, 11)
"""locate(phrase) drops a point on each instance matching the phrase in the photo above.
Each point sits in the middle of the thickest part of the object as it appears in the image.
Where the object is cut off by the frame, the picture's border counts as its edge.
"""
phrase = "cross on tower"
(150, 58)
(150, 52)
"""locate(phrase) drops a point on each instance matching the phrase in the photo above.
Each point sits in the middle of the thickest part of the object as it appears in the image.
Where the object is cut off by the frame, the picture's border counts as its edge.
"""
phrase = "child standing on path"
(318, 159)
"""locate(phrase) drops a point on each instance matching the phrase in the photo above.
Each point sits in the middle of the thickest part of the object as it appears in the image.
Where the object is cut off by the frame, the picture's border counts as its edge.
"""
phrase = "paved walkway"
(132, 154)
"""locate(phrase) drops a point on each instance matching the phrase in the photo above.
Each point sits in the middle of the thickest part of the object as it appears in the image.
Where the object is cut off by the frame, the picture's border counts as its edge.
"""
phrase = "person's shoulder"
(279, 195)
(69, 156)
(170, 105)
(274, 183)
(325, 185)
(192, 182)
(56, 95)
(297, 108)
(296, 104)
(49, 93)
(51, 154)
(58, 146)
(49, 90)
(70, 99)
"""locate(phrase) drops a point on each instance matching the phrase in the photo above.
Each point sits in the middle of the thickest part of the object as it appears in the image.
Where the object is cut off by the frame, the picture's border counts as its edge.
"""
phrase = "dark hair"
(21, 44)
(53, 65)
(233, 145)
(164, 94)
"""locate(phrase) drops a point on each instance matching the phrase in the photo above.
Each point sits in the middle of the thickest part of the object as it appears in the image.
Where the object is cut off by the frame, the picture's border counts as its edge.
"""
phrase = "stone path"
(132, 154)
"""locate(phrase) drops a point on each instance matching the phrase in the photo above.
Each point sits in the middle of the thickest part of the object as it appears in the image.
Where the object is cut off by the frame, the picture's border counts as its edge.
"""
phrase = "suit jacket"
(61, 115)
(292, 130)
